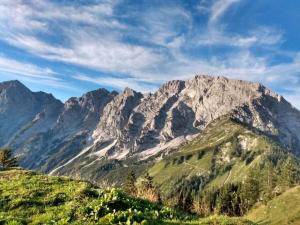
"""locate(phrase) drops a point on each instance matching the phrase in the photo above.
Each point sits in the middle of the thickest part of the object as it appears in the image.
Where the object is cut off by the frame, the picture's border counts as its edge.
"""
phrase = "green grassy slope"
(282, 210)
(223, 153)
(30, 198)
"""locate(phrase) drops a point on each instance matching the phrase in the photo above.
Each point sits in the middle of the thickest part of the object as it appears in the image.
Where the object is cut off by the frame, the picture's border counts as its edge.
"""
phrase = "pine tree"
(228, 201)
(185, 200)
(6, 159)
(180, 200)
(268, 182)
(129, 185)
(289, 173)
(188, 202)
(148, 182)
(149, 190)
(250, 191)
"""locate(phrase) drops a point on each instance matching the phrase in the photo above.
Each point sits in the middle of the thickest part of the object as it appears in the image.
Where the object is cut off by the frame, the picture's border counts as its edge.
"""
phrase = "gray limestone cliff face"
(82, 113)
(274, 116)
(23, 113)
(104, 125)
(183, 108)
(70, 126)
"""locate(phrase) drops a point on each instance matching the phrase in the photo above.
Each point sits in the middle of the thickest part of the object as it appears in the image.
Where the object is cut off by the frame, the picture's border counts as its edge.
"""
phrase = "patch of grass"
(283, 209)
(213, 220)
(30, 198)
(29, 195)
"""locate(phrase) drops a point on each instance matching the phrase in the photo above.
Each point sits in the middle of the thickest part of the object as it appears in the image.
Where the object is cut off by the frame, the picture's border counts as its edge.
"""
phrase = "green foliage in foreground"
(30, 198)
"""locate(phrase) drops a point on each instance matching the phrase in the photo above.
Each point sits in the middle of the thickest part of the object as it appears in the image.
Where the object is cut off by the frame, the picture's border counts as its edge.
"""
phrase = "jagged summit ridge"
(103, 125)
(140, 126)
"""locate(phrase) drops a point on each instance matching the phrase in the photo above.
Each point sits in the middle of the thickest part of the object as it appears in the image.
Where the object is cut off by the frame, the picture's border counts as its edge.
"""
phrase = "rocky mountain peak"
(12, 84)
(31, 108)
(172, 87)
(83, 113)
(91, 100)
(177, 109)
(94, 94)
(129, 92)
(117, 112)
(14, 91)
(120, 125)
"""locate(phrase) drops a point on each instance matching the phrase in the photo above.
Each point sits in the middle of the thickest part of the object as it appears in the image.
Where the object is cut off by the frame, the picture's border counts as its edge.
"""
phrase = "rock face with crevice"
(77, 137)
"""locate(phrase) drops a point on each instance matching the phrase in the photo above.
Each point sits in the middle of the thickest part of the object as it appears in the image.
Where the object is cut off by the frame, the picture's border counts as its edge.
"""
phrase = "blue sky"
(70, 47)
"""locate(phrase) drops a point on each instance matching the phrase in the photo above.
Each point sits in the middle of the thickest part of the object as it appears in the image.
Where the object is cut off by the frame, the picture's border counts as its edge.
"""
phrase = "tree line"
(262, 183)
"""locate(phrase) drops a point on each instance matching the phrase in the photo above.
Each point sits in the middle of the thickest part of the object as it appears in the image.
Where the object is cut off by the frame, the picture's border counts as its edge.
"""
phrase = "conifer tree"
(148, 182)
(228, 201)
(6, 159)
(289, 173)
(269, 179)
(149, 190)
(129, 185)
(188, 202)
(250, 190)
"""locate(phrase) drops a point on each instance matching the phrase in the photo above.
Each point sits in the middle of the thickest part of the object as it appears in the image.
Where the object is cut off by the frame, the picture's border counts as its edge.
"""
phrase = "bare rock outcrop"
(103, 125)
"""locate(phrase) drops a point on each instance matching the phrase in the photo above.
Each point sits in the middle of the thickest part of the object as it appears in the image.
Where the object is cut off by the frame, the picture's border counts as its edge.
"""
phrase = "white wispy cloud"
(103, 48)
(218, 9)
(35, 15)
(261, 36)
(216, 33)
(242, 65)
(91, 50)
(162, 25)
(30, 72)
(8, 65)
(93, 46)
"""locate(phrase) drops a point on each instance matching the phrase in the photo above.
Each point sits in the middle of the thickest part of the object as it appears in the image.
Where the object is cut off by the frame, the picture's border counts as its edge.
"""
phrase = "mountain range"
(104, 132)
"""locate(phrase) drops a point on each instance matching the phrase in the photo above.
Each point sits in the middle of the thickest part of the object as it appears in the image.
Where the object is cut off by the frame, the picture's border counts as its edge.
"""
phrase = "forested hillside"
(226, 170)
